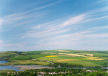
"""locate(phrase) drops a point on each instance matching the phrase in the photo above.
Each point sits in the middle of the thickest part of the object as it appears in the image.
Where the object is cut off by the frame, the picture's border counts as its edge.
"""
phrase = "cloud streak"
(1, 23)
(63, 27)
(74, 20)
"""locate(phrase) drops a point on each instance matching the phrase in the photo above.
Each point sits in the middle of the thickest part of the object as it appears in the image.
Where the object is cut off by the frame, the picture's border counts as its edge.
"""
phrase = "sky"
(27, 25)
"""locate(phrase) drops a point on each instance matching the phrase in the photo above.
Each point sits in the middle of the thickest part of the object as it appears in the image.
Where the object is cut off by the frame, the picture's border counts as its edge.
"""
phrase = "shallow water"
(105, 68)
(21, 67)
(2, 62)
(27, 67)
(10, 68)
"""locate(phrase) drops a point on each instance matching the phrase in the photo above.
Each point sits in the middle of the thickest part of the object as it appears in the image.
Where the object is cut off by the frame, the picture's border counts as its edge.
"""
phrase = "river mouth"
(8, 67)
(28, 67)
(3, 61)
(21, 67)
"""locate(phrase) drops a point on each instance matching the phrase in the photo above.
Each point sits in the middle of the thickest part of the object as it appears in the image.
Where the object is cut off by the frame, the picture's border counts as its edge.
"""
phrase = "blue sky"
(27, 25)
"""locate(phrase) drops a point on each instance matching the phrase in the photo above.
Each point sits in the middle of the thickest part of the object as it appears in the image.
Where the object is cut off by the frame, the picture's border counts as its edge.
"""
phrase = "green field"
(69, 57)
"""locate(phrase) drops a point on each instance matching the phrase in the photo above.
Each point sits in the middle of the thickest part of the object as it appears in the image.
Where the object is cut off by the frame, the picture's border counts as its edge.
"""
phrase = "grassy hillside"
(69, 57)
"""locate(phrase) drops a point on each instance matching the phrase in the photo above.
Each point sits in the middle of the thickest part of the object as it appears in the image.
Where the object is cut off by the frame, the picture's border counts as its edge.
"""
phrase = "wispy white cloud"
(64, 33)
(52, 28)
(20, 18)
(1, 22)
(69, 41)
(74, 20)
(69, 36)
(98, 28)
(17, 17)
(96, 19)
(103, 1)
(43, 34)
(1, 43)
(45, 6)
(103, 35)
(12, 46)
(48, 37)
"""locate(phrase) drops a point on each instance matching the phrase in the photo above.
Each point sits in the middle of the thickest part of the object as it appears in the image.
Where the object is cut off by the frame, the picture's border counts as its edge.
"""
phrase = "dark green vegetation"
(55, 72)
(69, 57)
